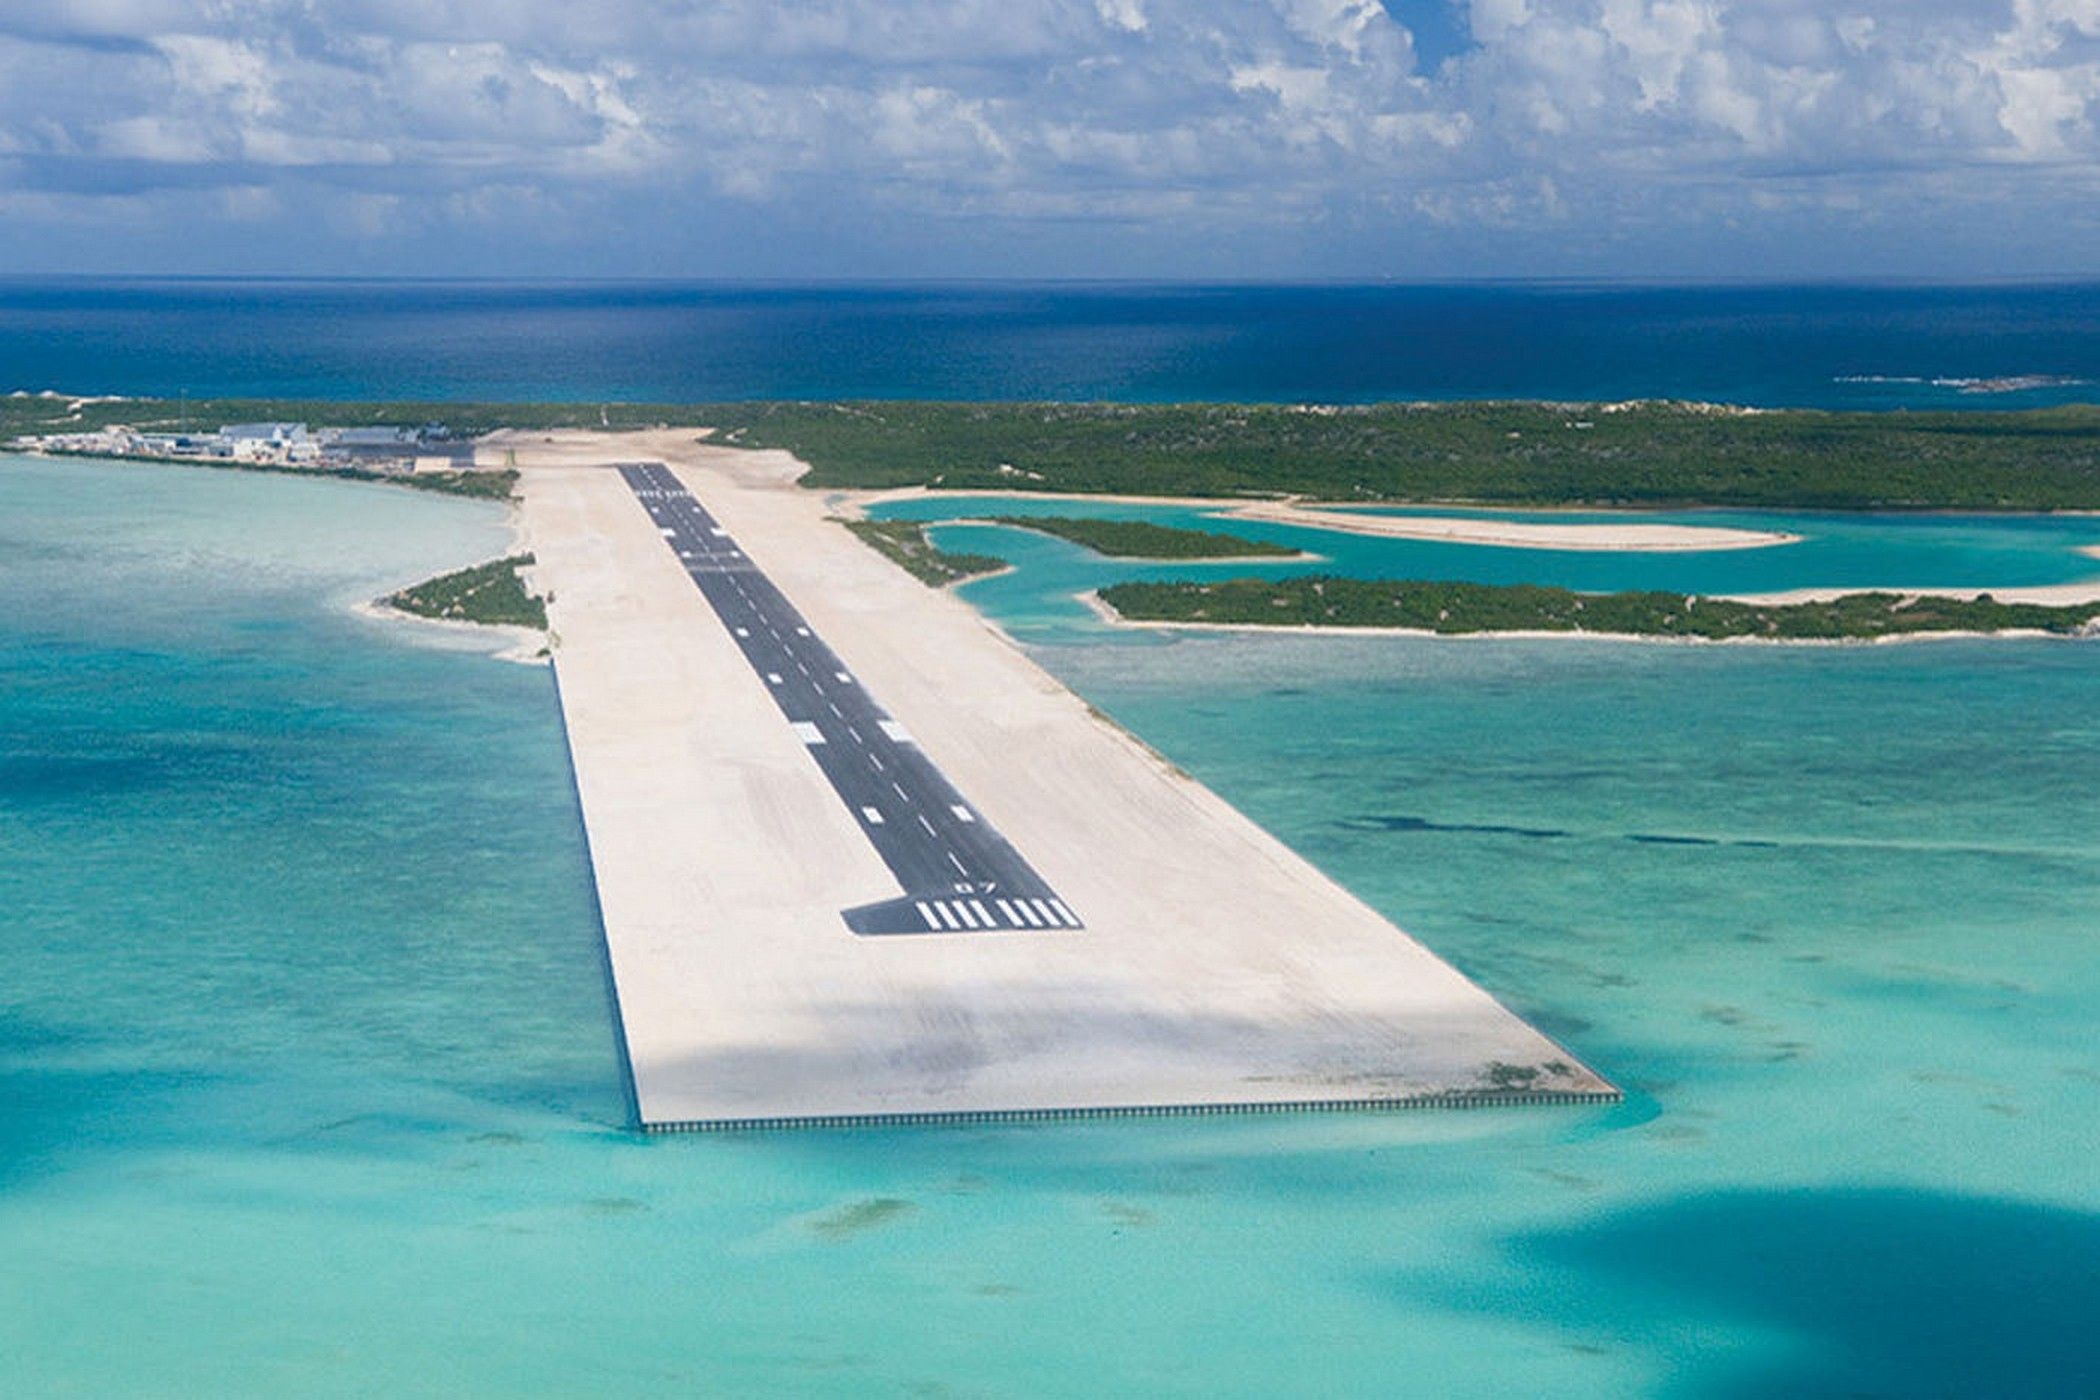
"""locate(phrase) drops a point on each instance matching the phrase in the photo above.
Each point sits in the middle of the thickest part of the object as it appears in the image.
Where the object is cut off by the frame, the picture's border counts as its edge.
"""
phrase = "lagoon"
(312, 1086)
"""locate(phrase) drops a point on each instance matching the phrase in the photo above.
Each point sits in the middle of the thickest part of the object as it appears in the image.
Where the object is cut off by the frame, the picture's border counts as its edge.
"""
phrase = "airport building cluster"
(386, 449)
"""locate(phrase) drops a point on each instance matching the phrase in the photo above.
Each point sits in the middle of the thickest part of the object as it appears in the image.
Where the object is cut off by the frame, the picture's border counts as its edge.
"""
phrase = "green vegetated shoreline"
(1540, 454)
(1455, 609)
(1648, 454)
(1141, 539)
(905, 544)
(492, 594)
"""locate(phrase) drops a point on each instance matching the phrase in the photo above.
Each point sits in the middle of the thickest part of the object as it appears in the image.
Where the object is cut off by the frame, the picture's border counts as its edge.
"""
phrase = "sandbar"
(1614, 536)
(1606, 536)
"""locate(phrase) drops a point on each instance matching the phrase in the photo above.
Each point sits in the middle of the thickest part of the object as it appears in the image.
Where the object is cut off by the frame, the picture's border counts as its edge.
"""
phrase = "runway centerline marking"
(947, 835)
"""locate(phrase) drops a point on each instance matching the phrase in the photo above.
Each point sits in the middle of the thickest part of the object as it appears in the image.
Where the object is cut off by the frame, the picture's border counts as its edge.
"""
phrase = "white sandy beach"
(1616, 536)
(1629, 535)
(2056, 595)
(1217, 967)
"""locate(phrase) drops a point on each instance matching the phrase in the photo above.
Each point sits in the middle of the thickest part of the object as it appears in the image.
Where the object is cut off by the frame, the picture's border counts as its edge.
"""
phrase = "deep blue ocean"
(1812, 346)
(308, 1072)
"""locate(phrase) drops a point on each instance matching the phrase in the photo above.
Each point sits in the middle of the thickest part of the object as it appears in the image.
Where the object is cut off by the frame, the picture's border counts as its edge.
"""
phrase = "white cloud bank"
(1253, 136)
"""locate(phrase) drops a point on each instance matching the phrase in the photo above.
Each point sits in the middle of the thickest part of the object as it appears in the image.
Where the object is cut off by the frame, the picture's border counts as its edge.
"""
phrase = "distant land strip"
(1453, 609)
(1648, 454)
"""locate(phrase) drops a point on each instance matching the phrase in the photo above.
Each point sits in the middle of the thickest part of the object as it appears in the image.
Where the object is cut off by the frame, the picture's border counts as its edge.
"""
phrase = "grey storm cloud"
(1271, 122)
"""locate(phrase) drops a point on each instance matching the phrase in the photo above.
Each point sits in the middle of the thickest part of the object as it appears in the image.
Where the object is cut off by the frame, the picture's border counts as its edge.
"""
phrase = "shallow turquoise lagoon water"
(309, 1080)
(1834, 551)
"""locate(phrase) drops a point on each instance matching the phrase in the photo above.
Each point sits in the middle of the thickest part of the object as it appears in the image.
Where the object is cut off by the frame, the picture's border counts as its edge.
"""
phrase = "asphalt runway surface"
(958, 873)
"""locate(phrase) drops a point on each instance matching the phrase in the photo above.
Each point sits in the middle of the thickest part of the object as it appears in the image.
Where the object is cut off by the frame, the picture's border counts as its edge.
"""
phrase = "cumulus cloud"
(1262, 119)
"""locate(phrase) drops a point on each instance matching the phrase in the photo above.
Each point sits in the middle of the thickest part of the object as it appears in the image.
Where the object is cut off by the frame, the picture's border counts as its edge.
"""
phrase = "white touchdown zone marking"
(962, 813)
(808, 733)
(897, 732)
(874, 818)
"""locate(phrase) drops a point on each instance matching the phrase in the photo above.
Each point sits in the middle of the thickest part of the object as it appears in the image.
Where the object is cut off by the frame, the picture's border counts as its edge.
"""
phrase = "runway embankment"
(1217, 970)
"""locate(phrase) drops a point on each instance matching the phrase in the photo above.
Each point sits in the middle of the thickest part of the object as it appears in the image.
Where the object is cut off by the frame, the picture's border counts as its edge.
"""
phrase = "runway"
(958, 874)
(733, 818)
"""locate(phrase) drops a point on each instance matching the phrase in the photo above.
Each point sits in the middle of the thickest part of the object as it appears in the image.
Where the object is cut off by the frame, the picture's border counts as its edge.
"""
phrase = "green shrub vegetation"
(493, 594)
(1651, 454)
(1141, 539)
(1499, 453)
(489, 485)
(904, 543)
(1454, 608)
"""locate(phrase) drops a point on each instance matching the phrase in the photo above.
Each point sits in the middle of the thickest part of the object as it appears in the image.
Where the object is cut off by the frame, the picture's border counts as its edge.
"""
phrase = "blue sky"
(1052, 138)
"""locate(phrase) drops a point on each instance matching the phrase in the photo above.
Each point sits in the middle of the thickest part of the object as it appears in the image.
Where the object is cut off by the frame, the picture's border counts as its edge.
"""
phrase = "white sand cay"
(1217, 969)
(1619, 536)
(2054, 595)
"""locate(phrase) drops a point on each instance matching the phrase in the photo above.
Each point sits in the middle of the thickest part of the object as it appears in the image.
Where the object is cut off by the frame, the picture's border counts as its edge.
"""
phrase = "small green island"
(1454, 609)
(492, 594)
(1141, 539)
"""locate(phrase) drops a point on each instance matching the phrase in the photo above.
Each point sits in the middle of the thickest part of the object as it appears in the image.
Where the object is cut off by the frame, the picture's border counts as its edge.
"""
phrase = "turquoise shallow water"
(310, 1085)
